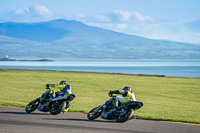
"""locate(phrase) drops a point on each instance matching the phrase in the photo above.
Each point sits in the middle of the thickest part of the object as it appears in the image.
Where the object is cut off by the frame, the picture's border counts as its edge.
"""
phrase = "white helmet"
(63, 82)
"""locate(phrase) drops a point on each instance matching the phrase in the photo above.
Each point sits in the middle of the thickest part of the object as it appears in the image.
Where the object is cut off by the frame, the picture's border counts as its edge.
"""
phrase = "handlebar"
(110, 94)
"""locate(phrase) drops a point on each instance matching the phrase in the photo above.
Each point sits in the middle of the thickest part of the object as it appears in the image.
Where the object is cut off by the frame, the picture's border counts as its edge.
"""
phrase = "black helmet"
(63, 82)
(126, 88)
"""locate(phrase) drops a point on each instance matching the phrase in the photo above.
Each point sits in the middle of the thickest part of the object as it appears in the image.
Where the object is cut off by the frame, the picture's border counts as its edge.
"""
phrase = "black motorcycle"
(50, 103)
(121, 114)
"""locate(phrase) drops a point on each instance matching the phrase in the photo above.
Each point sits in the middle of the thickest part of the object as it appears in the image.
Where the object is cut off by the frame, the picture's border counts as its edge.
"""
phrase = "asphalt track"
(16, 120)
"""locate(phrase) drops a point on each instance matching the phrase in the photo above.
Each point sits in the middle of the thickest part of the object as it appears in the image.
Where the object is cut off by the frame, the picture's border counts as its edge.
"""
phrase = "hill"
(72, 39)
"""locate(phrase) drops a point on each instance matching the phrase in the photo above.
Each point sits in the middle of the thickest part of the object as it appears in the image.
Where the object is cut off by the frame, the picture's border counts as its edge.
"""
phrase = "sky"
(174, 20)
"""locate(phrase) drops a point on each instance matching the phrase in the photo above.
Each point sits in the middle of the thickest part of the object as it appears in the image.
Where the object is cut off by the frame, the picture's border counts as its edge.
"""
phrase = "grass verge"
(168, 99)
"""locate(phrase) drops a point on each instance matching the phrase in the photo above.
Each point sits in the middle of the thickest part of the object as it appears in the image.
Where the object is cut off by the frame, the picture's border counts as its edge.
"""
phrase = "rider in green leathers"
(127, 94)
(64, 88)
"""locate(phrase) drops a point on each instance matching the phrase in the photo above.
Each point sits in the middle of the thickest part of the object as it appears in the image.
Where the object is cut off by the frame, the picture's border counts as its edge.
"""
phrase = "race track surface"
(16, 120)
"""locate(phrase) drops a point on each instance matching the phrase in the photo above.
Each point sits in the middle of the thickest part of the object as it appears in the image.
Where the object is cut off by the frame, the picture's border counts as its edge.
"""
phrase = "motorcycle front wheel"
(56, 107)
(32, 106)
(94, 113)
(125, 116)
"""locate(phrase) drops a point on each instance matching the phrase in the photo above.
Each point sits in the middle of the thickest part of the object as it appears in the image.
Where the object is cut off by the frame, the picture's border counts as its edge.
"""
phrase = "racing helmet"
(126, 88)
(63, 82)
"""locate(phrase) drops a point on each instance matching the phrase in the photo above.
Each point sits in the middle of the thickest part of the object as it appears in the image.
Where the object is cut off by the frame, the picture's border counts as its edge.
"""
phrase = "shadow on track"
(74, 119)
(18, 113)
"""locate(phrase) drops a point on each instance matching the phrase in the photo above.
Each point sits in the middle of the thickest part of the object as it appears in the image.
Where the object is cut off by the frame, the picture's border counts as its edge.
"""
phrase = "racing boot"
(65, 110)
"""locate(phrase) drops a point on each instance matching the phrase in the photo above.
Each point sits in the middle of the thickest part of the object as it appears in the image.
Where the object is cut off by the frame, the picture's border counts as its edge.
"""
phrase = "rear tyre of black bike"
(32, 106)
(56, 107)
(122, 118)
(94, 113)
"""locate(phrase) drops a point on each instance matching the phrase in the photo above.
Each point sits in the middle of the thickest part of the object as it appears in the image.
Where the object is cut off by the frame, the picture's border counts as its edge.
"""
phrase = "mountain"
(62, 39)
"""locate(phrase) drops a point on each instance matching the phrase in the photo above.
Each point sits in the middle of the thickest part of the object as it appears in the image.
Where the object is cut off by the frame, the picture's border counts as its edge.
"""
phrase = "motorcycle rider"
(110, 109)
(127, 94)
(64, 88)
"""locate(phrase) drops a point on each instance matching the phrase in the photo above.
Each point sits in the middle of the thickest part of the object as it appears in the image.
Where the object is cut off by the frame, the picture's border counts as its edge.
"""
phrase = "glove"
(110, 93)
(47, 85)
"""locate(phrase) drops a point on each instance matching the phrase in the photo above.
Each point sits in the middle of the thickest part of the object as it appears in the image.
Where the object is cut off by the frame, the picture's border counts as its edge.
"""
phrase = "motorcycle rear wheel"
(56, 107)
(32, 106)
(125, 117)
(93, 114)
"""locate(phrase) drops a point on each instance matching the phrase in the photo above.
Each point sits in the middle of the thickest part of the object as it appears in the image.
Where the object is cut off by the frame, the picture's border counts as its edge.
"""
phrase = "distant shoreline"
(8, 59)
(36, 60)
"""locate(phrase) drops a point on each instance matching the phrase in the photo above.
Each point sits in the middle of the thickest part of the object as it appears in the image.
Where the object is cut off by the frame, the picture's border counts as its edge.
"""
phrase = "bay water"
(180, 68)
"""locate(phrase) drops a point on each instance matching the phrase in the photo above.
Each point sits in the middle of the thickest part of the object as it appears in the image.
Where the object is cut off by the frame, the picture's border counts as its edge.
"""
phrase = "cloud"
(32, 13)
(102, 18)
(122, 26)
(20, 12)
(131, 16)
(41, 11)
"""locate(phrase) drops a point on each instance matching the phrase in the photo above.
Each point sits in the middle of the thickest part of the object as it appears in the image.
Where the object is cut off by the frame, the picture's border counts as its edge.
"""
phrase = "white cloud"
(21, 11)
(40, 10)
(30, 14)
(122, 26)
(142, 18)
(102, 18)
(127, 16)
(122, 15)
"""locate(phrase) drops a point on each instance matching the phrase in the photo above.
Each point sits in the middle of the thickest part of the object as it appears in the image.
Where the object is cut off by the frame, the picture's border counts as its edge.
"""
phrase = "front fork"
(98, 108)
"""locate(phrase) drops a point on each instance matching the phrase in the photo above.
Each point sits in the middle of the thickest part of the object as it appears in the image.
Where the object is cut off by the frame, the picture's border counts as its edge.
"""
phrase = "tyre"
(122, 118)
(32, 106)
(94, 113)
(56, 107)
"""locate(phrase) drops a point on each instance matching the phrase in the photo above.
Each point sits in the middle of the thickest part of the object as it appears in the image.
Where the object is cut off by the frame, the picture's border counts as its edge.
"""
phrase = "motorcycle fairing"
(132, 104)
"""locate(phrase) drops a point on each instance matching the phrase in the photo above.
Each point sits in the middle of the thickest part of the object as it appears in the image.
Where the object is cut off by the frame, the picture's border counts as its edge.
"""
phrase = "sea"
(179, 68)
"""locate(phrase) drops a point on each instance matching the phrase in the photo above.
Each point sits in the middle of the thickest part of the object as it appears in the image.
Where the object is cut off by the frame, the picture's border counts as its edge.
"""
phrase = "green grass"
(174, 99)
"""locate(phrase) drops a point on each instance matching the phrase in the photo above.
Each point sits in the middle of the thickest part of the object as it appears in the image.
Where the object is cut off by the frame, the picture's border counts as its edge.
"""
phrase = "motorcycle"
(48, 103)
(120, 114)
